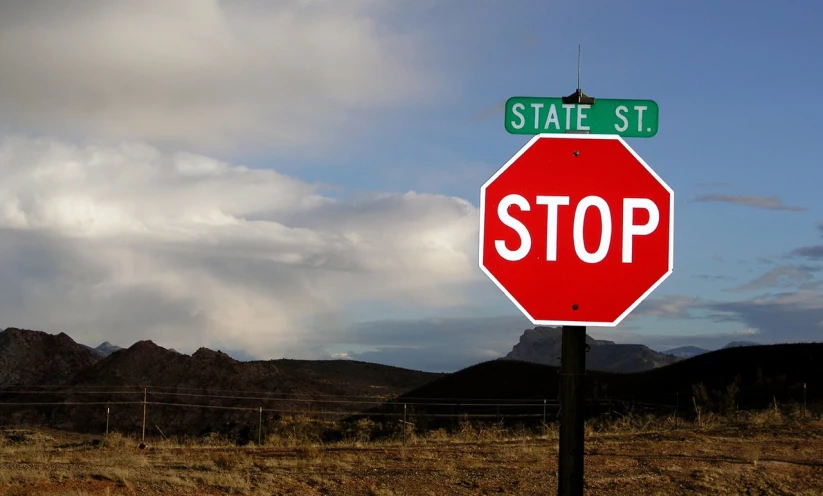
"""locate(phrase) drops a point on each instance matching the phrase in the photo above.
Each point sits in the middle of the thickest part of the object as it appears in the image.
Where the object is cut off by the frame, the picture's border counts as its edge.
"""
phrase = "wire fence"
(129, 409)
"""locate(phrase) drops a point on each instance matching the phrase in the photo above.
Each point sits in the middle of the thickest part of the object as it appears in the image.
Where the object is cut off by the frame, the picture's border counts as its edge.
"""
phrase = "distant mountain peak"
(552, 333)
(686, 351)
(106, 348)
(543, 344)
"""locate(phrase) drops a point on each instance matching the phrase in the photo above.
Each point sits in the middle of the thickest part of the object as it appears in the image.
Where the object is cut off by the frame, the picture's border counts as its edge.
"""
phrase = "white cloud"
(668, 306)
(205, 74)
(789, 316)
(768, 203)
(126, 242)
(782, 277)
(746, 332)
(803, 300)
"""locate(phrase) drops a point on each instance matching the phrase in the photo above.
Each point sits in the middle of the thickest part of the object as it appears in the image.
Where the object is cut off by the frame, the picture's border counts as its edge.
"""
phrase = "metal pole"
(144, 415)
(107, 421)
(544, 412)
(572, 370)
(260, 428)
(404, 424)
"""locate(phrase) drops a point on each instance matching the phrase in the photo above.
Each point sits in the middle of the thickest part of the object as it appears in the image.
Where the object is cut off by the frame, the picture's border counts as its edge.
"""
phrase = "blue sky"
(413, 102)
(724, 77)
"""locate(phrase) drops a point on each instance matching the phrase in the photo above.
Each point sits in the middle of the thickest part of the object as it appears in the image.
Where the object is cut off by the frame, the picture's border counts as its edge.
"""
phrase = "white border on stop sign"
(640, 160)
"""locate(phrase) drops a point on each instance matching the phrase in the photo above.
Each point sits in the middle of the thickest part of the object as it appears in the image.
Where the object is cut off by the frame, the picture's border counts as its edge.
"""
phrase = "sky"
(301, 178)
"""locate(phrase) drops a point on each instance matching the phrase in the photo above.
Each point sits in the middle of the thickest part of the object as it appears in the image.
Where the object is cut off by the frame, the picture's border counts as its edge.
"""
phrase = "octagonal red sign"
(576, 229)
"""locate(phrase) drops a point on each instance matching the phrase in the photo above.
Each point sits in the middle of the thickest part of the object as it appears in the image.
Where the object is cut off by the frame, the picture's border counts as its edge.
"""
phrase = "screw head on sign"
(574, 307)
(576, 153)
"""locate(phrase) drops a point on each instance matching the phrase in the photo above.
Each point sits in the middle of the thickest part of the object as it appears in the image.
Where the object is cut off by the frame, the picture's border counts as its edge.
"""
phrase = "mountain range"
(29, 358)
(542, 345)
(52, 380)
(61, 383)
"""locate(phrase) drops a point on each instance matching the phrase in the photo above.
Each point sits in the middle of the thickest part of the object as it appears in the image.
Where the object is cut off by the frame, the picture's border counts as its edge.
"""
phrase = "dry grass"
(752, 453)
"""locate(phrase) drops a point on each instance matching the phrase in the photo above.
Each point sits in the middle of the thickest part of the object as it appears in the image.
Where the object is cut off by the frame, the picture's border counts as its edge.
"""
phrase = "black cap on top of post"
(578, 97)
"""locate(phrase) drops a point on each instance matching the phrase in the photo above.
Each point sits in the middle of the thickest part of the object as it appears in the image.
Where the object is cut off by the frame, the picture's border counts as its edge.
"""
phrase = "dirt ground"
(741, 460)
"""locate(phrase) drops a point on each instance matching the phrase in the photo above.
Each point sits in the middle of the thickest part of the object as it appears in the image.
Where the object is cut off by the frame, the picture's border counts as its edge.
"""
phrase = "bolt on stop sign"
(576, 229)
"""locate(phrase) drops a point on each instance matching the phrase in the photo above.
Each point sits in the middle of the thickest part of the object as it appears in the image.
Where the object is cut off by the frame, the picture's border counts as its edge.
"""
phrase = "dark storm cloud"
(785, 317)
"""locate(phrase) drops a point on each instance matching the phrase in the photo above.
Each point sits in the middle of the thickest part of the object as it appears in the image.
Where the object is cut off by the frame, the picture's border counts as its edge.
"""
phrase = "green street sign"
(626, 118)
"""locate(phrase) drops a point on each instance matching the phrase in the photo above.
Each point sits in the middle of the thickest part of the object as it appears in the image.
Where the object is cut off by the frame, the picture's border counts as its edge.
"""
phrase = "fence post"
(544, 411)
(107, 422)
(676, 408)
(260, 428)
(144, 416)
(804, 400)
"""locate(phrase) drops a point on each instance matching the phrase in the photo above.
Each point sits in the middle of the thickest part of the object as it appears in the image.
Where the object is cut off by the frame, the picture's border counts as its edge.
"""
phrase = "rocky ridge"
(206, 392)
(543, 345)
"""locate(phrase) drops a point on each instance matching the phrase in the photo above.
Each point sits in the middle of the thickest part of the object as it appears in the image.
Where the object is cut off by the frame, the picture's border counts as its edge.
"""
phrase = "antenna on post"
(578, 67)
(578, 96)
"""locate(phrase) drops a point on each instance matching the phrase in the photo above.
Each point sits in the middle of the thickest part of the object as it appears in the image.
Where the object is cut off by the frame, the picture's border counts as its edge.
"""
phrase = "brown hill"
(207, 391)
(38, 358)
(146, 364)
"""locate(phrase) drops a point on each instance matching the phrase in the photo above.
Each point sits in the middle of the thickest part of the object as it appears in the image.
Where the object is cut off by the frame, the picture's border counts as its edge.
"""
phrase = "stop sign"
(576, 229)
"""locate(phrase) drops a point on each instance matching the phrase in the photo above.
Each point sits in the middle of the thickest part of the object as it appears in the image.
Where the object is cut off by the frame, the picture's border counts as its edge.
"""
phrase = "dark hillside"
(760, 372)
(370, 379)
(517, 390)
(496, 379)
(35, 357)
(205, 392)
(738, 377)
(146, 364)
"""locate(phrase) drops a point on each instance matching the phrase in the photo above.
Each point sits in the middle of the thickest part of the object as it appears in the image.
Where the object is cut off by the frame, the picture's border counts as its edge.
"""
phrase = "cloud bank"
(784, 317)
(127, 242)
(205, 74)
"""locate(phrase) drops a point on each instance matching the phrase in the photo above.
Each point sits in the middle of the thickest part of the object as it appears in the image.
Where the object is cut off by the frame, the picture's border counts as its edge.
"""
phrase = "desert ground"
(645, 458)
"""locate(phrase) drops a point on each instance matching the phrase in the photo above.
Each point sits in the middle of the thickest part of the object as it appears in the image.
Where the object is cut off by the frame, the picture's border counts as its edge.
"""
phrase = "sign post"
(576, 229)
(572, 419)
